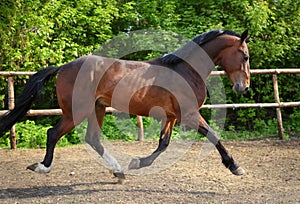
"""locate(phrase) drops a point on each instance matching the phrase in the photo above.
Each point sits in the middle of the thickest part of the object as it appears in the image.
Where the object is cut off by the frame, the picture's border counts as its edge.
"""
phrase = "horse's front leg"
(164, 141)
(227, 159)
(95, 122)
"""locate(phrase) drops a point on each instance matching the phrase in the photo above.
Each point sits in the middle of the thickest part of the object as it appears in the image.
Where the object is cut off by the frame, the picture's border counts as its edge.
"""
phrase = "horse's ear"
(244, 36)
(247, 39)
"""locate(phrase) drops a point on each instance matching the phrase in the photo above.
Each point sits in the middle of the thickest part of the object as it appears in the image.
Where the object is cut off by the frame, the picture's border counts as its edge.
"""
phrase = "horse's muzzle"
(240, 88)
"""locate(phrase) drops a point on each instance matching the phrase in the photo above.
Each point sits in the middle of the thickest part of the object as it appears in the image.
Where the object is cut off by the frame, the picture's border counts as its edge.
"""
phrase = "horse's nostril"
(246, 89)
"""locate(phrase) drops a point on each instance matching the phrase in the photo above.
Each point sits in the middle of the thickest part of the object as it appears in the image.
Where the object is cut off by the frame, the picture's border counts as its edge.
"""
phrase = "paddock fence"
(50, 112)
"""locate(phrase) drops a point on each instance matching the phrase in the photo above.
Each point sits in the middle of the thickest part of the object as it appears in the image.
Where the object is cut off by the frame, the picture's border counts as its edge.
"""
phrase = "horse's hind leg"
(227, 159)
(164, 141)
(64, 126)
(95, 122)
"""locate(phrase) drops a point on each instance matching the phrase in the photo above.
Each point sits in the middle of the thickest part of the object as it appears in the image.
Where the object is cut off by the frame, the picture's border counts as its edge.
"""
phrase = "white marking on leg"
(113, 163)
(42, 169)
(134, 164)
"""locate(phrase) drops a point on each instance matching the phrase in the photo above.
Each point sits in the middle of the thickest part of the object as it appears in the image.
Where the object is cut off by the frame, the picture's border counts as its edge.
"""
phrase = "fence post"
(11, 105)
(140, 128)
(278, 111)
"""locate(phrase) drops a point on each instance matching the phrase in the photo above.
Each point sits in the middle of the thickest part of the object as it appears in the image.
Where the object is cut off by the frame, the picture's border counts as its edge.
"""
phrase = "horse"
(173, 85)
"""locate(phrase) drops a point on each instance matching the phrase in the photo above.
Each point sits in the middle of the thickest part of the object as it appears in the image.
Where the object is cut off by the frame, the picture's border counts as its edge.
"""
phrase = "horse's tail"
(33, 86)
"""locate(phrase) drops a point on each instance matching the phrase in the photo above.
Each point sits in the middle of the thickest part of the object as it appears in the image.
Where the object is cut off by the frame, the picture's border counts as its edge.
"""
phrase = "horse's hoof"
(120, 176)
(32, 167)
(39, 168)
(239, 171)
(134, 164)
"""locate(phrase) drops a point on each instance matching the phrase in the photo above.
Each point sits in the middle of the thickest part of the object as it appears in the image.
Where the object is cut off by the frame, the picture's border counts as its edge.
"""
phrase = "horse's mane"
(200, 40)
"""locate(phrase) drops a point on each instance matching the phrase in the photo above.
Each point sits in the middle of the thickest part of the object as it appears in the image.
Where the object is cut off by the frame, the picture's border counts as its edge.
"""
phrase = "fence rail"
(277, 103)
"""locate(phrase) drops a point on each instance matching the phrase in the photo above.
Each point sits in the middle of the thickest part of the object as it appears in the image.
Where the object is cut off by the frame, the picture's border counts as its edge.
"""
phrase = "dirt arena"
(272, 176)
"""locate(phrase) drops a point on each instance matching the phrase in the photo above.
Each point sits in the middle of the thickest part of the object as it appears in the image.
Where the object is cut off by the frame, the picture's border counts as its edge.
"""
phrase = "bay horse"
(176, 83)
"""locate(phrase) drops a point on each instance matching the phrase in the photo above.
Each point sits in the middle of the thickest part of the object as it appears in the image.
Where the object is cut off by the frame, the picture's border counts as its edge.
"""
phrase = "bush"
(32, 135)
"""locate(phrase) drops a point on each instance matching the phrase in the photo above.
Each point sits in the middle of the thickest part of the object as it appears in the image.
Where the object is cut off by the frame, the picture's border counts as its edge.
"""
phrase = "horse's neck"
(214, 47)
(210, 53)
(203, 59)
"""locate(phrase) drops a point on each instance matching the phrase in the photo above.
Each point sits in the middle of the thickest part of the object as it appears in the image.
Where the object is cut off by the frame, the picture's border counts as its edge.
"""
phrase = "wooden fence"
(277, 103)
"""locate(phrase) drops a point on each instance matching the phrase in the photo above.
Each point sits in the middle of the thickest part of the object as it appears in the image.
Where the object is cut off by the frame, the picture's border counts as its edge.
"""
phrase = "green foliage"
(35, 34)
(139, 45)
(32, 135)
(118, 128)
(293, 128)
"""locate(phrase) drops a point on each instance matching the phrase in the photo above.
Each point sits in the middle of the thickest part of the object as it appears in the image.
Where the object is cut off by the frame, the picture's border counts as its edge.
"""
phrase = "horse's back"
(74, 82)
(89, 78)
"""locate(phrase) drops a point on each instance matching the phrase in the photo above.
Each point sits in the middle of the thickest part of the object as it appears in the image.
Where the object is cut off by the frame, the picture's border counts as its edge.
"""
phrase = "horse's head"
(234, 60)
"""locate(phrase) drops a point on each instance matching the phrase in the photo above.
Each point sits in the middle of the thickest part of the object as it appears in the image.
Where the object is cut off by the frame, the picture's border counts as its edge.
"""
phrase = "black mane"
(200, 40)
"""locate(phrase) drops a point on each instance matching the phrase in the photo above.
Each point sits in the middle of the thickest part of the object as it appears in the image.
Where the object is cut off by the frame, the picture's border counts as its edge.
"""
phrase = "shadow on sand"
(80, 189)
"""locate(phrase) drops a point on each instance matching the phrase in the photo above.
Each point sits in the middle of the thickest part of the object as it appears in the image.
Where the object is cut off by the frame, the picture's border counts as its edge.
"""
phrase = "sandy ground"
(273, 176)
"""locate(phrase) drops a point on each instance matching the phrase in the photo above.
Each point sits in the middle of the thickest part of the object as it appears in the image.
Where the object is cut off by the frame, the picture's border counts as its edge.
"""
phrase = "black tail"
(33, 86)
